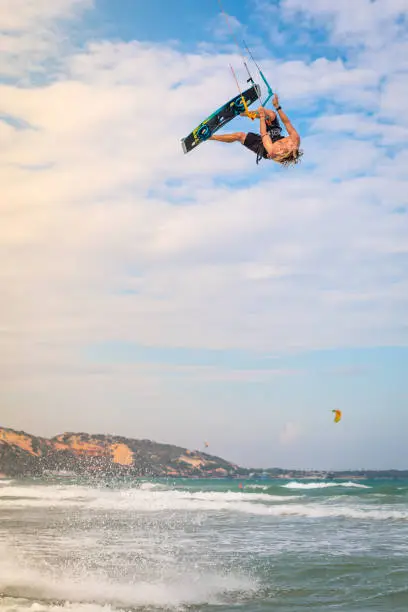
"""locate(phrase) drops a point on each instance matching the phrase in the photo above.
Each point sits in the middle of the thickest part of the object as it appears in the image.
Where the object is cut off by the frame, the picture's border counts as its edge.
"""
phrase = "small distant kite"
(206, 445)
(337, 415)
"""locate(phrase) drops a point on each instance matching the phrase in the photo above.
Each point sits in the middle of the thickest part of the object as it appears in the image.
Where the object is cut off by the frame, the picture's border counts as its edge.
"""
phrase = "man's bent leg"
(235, 137)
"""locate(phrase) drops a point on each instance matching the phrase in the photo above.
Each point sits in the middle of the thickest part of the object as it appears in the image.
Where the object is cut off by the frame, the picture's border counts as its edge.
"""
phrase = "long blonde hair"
(289, 158)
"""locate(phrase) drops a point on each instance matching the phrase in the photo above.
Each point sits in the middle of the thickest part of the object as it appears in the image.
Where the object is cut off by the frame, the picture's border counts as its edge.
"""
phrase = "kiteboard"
(221, 116)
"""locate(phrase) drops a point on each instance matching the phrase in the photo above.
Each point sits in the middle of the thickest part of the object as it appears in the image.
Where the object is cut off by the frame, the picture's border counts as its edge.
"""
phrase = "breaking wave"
(56, 589)
(324, 485)
(156, 501)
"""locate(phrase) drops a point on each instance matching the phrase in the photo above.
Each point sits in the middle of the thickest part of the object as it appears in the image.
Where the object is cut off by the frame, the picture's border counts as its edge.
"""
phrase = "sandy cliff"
(23, 454)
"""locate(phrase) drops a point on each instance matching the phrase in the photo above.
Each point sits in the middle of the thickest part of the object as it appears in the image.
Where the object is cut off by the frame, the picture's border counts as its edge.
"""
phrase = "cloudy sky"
(195, 297)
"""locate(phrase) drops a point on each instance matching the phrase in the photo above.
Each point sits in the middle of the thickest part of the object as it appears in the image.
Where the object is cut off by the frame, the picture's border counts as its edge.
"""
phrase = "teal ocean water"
(204, 545)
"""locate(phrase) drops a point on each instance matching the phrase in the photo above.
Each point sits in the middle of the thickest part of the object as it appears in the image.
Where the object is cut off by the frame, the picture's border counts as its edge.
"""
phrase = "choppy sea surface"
(204, 545)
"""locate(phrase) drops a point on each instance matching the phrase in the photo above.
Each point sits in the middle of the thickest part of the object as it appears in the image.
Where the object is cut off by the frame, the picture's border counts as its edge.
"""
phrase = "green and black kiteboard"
(215, 121)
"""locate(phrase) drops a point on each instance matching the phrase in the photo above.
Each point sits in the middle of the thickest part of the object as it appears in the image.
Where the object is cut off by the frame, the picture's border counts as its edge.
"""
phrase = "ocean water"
(204, 545)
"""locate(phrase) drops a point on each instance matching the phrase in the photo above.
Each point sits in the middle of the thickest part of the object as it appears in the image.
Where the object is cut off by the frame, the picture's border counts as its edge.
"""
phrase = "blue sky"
(181, 298)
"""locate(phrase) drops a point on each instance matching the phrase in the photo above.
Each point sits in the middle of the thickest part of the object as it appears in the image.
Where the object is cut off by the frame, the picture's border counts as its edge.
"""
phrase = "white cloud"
(353, 21)
(227, 27)
(362, 126)
(31, 38)
(395, 94)
(304, 85)
(23, 15)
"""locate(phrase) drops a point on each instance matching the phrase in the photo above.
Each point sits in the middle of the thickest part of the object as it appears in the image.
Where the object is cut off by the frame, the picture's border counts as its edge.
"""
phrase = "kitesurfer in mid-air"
(269, 144)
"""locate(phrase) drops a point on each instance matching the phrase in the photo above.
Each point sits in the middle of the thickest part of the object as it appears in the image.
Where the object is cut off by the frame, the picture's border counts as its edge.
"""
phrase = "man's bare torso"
(282, 147)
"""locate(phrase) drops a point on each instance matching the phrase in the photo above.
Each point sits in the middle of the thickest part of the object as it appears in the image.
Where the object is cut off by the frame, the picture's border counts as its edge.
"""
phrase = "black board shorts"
(253, 142)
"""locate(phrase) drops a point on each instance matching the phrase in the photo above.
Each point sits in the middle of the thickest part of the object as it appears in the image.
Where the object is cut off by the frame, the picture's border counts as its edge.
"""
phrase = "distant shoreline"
(380, 475)
(102, 456)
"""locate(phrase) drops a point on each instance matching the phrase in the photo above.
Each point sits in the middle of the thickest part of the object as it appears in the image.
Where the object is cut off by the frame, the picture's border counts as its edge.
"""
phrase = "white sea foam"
(324, 511)
(174, 587)
(151, 501)
(143, 499)
(11, 604)
(324, 485)
(151, 486)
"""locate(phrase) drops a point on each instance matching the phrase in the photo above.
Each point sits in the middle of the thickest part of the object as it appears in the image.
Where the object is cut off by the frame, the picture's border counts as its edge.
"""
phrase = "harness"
(274, 130)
